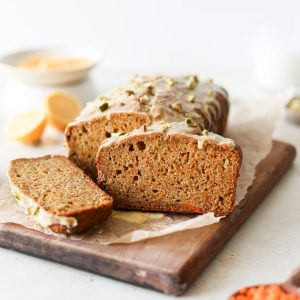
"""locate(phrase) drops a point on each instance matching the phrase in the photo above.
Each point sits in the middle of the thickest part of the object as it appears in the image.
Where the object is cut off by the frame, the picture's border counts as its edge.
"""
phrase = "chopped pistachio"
(32, 211)
(191, 98)
(170, 81)
(129, 92)
(190, 123)
(193, 82)
(176, 106)
(103, 103)
(204, 132)
(144, 99)
(103, 106)
(211, 93)
(150, 87)
(17, 196)
(165, 127)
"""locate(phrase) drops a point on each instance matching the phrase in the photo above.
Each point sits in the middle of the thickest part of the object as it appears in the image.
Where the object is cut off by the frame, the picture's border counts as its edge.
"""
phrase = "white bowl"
(9, 65)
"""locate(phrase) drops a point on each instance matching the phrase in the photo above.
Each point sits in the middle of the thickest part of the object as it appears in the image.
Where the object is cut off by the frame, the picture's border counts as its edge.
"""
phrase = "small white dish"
(9, 65)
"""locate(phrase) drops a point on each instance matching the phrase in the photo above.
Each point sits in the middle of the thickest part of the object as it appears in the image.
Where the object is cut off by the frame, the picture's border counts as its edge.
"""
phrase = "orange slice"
(61, 109)
(27, 127)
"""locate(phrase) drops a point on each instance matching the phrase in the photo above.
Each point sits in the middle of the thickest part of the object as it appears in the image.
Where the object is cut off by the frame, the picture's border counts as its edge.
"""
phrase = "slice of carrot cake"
(172, 167)
(57, 195)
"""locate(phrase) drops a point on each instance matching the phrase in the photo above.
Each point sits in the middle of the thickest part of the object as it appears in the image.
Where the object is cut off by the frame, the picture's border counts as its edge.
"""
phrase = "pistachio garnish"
(170, 82)
(32, 211)
(165, 127)
(144, 99)
(190, 123)
(129, 92)
(193, 82)
(150, 87)
(176, 106)
(191, 98)
(204, 132)
(103, 103)
(103, 106)
(211, 93)
(17, 196)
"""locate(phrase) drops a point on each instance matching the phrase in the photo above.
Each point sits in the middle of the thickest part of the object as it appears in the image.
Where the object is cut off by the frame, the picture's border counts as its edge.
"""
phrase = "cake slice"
(172, 167)
(57, 195)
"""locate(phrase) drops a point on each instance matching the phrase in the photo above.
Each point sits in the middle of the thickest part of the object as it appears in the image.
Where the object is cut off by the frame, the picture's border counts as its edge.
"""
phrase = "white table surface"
(265, 249)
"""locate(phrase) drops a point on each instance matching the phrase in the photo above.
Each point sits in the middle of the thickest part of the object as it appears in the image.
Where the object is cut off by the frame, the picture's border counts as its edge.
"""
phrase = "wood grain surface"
(168, 264)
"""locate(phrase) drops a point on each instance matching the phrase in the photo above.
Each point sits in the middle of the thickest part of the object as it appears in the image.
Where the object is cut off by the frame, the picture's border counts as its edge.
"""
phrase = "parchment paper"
(249, 126)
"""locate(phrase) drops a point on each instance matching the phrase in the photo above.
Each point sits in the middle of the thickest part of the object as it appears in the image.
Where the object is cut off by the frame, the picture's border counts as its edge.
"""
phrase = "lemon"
(61, 109)
(27, 127)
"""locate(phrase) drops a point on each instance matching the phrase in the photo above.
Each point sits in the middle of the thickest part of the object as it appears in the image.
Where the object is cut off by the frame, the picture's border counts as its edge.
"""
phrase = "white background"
(153, 35)
(147, 34)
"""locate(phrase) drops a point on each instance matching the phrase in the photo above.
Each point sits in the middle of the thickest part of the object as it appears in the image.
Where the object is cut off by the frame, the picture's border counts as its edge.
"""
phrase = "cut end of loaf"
(84, 138)
(168, 172)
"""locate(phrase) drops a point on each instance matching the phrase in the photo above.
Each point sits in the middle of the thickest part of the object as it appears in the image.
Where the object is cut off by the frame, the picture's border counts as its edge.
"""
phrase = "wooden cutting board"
(169, 263)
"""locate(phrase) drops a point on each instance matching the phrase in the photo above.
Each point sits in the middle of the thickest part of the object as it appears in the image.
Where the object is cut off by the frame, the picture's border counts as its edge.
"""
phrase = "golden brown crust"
(86, 220)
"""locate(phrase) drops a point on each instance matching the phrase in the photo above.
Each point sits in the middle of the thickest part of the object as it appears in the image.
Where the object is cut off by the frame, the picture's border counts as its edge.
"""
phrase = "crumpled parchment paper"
(251, 128)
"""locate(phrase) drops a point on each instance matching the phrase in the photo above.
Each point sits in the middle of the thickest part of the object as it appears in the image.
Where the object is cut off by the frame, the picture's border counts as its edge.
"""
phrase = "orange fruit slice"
(27, 127)
(61, 109)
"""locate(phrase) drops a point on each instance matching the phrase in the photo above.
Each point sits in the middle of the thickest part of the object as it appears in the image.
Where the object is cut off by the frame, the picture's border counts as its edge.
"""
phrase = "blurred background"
(154, 34)
(252, 48)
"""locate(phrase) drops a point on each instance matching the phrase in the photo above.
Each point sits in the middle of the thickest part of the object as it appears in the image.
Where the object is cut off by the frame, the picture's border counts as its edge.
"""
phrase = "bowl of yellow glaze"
(50, 66)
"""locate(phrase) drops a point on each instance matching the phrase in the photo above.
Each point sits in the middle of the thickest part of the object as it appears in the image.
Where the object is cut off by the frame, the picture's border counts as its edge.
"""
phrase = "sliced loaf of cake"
(57, 195)
(172, 167)
(145, 100)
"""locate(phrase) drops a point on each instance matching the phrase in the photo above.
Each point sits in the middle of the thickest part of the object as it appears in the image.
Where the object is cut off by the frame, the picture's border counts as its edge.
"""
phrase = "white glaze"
(40, 215)
(158, 104)
(173, 128)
